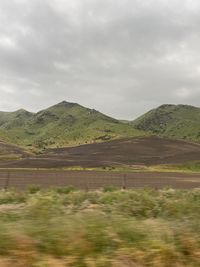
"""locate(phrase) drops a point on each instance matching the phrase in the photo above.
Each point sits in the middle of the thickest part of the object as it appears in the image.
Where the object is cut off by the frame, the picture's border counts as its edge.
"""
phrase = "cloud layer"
(121, 57)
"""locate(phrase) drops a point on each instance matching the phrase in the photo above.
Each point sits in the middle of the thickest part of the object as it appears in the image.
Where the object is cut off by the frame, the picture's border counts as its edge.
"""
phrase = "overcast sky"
(121, 57)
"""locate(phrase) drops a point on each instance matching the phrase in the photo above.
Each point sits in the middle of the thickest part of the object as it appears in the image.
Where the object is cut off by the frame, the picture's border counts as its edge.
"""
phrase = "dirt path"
(22, 179)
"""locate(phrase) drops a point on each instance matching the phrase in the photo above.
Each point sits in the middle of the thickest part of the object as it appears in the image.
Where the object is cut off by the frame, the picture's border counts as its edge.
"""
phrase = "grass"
(190, 167)
(105, 228)
(10, 157)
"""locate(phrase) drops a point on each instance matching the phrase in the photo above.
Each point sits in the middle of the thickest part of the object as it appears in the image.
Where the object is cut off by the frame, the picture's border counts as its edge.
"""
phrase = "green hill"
(64, 124)
(173, 121)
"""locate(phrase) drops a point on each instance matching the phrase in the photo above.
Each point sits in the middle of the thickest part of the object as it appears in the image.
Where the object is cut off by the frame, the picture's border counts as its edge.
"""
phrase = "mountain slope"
(64, 124)
(173, 121)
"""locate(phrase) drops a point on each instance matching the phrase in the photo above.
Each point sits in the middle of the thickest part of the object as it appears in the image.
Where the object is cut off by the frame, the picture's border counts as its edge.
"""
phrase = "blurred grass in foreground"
(108, 228)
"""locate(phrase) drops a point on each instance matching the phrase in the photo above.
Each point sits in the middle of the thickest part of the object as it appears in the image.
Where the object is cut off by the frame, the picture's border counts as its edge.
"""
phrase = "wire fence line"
(87, 180)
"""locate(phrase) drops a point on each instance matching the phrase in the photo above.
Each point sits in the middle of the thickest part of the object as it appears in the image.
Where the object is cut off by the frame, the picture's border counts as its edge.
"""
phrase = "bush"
(110, 188)
(11, 196)
(65, 189)
(32, 189)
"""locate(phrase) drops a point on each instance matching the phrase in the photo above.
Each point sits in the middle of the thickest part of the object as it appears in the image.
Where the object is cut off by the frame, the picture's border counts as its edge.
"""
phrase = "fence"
(22, 179)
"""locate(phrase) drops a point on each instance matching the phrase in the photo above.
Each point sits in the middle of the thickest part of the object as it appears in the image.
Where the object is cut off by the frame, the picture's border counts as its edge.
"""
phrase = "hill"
(172, 121)
(70, 124)
(64, 124)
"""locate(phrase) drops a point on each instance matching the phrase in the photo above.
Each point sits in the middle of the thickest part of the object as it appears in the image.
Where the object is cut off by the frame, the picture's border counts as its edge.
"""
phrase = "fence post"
(124, 182)
(86, 184)
(7, 180)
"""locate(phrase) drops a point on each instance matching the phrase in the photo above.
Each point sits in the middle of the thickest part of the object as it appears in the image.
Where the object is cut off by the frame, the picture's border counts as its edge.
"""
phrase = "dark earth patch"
(127, 152)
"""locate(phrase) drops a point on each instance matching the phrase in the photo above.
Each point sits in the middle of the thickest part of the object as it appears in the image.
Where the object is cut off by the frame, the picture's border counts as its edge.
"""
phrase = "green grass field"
(107, 228)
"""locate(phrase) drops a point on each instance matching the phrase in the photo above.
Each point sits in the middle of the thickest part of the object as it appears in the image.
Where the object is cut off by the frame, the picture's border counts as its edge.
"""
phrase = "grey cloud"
(122, 57)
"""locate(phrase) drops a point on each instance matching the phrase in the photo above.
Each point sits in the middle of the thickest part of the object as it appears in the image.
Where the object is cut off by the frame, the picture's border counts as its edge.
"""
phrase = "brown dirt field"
(126, 152)
(22, 179)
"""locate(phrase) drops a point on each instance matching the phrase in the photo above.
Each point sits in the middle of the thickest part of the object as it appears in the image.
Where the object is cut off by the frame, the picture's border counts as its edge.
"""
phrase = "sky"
(121, 57)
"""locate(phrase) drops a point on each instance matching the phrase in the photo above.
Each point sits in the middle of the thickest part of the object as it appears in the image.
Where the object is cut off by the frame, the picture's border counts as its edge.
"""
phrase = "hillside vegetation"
(108, 228)
(173, 121)
(64, 124)
(70, 124)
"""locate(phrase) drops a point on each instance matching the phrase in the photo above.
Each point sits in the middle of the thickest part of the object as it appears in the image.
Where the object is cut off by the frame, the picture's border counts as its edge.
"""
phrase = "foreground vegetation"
(107, 228)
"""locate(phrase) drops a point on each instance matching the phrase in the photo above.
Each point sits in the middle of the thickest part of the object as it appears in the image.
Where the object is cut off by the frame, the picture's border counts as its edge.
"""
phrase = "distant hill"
(172, 121)
(64, 124)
